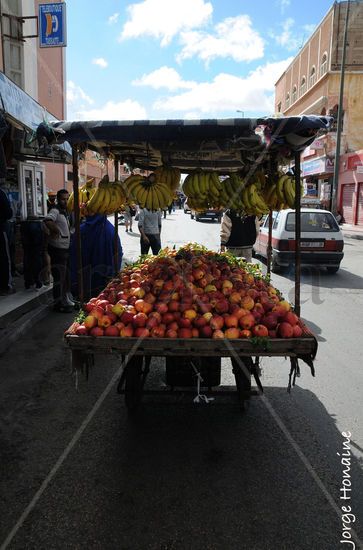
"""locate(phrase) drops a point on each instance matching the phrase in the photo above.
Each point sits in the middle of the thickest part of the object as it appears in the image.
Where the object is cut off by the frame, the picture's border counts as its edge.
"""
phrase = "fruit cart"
(220, 147)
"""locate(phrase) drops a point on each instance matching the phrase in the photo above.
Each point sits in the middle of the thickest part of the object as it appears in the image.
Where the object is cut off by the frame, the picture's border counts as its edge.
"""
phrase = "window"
(287, 101)
(279, 107)
(323, 111)
(294, 94)
(303, 85)
(324, 65)
(313, 222)
(312, 77)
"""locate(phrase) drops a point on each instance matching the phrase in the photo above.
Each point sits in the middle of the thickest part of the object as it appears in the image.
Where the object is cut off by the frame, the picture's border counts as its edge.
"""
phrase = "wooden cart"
(136, 355)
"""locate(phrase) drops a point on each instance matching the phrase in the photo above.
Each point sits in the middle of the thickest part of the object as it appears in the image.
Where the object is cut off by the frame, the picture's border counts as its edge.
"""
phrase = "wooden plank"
(192, 346)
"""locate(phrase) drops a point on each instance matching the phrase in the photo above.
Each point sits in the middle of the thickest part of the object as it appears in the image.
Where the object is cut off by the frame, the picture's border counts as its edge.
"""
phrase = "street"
(78, 472)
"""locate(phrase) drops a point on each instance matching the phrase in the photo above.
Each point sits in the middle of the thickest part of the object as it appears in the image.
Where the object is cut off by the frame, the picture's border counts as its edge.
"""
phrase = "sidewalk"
(352, 231)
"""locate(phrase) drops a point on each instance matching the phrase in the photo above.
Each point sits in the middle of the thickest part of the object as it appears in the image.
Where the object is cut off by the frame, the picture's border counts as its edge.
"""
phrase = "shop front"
(351, 188)
(317, 176)
(24, 156)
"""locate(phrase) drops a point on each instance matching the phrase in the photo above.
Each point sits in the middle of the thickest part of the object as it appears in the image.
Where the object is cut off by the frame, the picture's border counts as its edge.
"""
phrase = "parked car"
(211, 214)
(322, 241)
(186, 208)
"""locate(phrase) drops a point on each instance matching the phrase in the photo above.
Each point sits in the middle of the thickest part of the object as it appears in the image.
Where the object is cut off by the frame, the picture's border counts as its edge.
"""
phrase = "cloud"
(76, 94)
(122, 110)
(113, 19)
(100, 62)
(165, 77)
(287, 38)
(283, 4)
(163, 19)
(229, 93)
(234, 37)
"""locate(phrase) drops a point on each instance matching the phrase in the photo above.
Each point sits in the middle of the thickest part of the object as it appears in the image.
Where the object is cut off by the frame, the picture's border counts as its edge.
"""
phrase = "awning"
(218, 144)
(26, 115)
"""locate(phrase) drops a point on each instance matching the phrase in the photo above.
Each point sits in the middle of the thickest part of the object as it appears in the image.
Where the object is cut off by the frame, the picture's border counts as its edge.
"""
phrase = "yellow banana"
(280, 187)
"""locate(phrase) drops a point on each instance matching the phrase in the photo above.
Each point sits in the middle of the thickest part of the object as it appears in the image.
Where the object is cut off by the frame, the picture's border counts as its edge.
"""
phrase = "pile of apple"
(190, 293)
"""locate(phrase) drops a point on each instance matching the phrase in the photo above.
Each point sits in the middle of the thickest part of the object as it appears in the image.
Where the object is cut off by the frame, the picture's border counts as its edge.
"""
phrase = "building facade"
(33, 91)
(310, 85)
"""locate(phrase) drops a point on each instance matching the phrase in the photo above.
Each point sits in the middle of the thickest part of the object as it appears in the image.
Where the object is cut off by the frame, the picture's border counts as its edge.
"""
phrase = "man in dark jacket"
(239, 233)
(5, 260)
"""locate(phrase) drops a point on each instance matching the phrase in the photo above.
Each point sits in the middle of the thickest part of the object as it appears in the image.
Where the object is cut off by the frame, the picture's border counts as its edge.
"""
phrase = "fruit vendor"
(97, 245)
(150, 228)
(239, 233)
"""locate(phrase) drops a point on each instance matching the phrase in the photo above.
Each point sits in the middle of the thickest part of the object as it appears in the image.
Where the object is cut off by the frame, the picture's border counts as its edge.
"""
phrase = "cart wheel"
(133, 383)
(242, 373)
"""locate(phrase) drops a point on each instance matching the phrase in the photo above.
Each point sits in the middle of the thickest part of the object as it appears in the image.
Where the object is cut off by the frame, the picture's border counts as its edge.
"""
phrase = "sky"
(173, 59)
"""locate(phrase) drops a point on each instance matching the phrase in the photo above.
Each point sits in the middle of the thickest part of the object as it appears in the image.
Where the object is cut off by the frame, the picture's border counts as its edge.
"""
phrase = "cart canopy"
(218, 144)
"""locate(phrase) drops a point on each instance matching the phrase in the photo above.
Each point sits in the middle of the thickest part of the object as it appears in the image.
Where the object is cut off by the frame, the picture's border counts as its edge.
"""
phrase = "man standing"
(5, 260)
(239, 233)
(57, 222)
(150, 228)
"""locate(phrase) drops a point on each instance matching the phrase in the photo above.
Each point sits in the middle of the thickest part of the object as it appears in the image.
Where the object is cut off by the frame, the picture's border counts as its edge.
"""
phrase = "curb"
(21, 325)
(352, 235)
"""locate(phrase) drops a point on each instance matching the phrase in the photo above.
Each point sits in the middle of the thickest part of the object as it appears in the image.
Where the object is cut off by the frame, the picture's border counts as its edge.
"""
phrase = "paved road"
(181, 476)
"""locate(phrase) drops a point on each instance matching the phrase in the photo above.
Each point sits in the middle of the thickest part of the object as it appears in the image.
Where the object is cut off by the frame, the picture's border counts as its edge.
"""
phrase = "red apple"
(90, 322)
(260, 330)
(231, 332)
(97, 312)
(173, 305)
(171, 333)
(167, 318)
(247, 321)
(200, 322)
(127, 331)
(231, 321)
(96, 331)
(245, 333)
(270, 320)
(127, 317)
(184, 323)
(216, 322)
(285, 330)
(161, 307)
(297, 330)
(206, 331)
(141, 332)
(139, 320)
(218, 334)
(112, 316)
(291, 318)
(112, 331)
(158, 332)
(222, 306)
(247, 302)
(142, 306)
(81, 331)
(104, 321)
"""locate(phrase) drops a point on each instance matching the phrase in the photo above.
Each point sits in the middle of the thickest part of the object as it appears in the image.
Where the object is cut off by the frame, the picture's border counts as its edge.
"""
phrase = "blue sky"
(158, 59)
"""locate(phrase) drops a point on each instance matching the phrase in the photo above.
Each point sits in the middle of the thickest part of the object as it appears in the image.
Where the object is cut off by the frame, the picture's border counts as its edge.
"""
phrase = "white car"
(322, 241)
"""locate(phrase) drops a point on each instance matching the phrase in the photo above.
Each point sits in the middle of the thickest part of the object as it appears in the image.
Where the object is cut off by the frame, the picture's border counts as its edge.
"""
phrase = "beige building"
(310, 85)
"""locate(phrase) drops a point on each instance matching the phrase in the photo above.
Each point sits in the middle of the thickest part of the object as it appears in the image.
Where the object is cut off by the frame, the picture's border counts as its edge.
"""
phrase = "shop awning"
(219, 144)
(26, 115)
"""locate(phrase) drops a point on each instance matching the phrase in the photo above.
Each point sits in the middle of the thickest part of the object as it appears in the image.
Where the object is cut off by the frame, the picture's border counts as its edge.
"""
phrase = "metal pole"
(297, 232)
(334, 194)
(115, 236)
(269, 243)
(77, 223)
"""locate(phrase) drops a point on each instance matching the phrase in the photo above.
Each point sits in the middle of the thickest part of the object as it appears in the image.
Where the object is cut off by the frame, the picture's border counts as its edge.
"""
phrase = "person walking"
(239, 233)
(33, 238)
(6, 213)
(150, 228)
(57, 222)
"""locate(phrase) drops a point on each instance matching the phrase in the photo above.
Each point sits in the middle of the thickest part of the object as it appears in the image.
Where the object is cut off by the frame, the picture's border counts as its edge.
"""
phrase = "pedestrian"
(6, 213)
(129, 213)
(33, 238)
(51, 200)
(98, 257)
(150, 228)
(57, 222)
(170, 207)
(239, 233)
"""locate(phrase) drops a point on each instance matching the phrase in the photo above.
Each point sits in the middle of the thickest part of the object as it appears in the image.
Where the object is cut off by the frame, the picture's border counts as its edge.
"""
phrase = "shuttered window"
(347, 203)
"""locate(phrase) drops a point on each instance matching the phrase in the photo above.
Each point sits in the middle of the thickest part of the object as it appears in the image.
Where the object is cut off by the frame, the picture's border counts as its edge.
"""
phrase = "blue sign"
(52, 25)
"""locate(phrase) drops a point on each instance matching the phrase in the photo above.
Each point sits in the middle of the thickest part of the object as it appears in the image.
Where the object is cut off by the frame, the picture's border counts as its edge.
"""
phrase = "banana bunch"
(85, 193)
(148, 192)
(109, 197)
(204, 188)
(169, 176)
(280, 194)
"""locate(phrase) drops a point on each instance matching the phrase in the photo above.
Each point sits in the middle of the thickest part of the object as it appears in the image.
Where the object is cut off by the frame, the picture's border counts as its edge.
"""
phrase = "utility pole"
(334, 193)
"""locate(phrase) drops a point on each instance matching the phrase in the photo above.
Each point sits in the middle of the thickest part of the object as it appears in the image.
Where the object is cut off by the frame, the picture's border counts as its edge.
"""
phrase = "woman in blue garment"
(97, 244)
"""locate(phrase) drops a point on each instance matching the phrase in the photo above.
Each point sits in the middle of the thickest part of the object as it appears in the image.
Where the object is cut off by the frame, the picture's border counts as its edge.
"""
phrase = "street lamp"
(242, 112)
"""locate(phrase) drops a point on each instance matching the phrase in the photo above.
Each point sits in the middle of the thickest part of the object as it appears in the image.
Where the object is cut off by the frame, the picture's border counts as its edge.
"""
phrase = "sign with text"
(320, 165)
(52, 25)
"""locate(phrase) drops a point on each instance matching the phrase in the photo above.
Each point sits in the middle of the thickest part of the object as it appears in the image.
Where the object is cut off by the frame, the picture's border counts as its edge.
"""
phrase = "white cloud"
(288, 38)
(76, 94)
(100, 62)
(163, 19)
(113, 18)
(283, 4)
(234, 37)
(122, 110)
(165, 77)
(229, 93)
